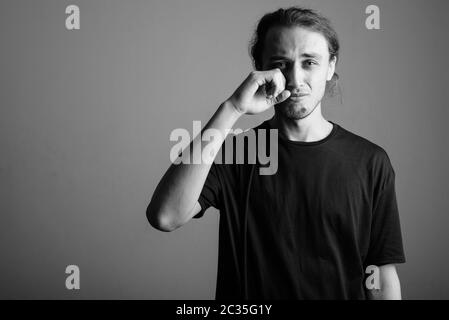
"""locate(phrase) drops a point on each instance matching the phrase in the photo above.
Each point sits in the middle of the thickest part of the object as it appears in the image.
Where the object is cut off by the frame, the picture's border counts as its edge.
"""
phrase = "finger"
(278, 82)
(270, 89)
(267, 77)
(270, 82)
(284, 95)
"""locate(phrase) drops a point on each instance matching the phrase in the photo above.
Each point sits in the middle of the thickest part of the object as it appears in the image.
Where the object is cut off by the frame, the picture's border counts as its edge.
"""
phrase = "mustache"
(295, 92)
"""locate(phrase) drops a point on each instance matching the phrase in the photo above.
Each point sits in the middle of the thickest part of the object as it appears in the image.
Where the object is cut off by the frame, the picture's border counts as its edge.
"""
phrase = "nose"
(295, 77)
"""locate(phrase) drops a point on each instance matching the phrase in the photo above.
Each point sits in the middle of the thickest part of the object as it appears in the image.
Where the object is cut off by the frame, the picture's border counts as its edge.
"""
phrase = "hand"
(259, 91)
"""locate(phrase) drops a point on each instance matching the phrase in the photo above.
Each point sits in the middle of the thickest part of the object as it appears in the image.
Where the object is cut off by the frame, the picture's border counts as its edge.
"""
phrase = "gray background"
(86, 115)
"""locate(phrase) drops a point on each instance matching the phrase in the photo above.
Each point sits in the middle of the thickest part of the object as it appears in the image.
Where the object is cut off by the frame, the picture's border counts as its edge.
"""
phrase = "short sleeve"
(386, 239)
(210, 194)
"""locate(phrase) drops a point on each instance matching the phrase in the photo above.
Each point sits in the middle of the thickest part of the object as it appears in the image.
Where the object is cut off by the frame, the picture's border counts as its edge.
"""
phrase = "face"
(303, 57)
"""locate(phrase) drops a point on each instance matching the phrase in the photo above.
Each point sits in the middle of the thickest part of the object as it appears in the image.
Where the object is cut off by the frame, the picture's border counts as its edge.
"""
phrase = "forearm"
(179, 189)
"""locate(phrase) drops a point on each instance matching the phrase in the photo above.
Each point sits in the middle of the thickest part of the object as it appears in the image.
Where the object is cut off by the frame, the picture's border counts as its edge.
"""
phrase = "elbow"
(160, 220)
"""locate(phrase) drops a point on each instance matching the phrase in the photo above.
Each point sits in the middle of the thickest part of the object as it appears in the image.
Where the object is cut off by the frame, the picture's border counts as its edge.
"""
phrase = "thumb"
(284, 95)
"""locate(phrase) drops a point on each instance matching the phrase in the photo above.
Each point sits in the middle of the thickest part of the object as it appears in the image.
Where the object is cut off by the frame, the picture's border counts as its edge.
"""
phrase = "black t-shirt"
(310, 230)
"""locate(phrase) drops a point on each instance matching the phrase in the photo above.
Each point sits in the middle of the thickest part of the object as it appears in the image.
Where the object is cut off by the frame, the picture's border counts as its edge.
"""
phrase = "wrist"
(234, 112)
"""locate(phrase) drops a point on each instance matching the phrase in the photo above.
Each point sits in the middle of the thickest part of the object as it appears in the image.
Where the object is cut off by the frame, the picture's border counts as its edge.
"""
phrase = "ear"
(331, 68)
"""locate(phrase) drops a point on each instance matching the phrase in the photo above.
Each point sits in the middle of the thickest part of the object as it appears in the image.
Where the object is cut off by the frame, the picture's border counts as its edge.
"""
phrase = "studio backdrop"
(91, 90)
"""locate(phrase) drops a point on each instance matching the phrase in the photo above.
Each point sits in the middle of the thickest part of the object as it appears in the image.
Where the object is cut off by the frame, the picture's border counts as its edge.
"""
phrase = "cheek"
(318, 80)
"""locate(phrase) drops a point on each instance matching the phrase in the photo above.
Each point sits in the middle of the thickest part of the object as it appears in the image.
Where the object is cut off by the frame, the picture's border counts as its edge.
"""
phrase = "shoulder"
(372, 156)
(360, 147)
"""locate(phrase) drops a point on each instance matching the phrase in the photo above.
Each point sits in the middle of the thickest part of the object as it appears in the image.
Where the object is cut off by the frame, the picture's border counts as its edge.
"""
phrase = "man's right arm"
(175, 200)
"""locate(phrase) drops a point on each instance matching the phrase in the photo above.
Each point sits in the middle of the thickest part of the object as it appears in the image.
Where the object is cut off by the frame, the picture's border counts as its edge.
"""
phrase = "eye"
(278, 64)
(310, 63)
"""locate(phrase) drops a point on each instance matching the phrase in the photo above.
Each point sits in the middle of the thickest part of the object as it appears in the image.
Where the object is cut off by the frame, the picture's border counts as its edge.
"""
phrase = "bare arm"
(390, 287)
(175, 200)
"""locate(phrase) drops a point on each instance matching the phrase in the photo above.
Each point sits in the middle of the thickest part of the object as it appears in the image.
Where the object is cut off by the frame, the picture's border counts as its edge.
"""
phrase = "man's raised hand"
(259, 91)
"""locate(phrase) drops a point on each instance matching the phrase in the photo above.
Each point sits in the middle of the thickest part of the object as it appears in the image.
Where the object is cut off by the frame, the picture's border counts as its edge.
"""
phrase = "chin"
(294, 111)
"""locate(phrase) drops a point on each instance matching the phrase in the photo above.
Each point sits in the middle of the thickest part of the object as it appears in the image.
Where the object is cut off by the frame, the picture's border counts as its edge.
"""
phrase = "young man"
(310, 230)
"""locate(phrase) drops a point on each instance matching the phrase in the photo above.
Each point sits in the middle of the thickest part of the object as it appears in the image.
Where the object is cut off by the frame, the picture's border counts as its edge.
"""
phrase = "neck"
(309, 129)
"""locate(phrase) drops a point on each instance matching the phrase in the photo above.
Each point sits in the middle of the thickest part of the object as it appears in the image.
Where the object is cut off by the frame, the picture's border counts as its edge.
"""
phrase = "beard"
(295, 111)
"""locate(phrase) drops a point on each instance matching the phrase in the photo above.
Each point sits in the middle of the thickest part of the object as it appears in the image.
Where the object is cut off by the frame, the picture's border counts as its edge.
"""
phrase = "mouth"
(299, 94)
(298, 97)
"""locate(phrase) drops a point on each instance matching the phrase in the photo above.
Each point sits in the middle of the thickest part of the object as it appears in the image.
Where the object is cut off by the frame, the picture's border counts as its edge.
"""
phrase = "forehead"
(290, 41)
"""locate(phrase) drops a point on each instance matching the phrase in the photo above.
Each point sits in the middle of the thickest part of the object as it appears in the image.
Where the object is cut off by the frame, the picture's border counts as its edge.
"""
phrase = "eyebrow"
(304, 55)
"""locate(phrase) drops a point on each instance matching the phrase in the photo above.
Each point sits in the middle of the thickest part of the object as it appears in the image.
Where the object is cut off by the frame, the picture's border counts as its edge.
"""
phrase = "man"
(310, 230)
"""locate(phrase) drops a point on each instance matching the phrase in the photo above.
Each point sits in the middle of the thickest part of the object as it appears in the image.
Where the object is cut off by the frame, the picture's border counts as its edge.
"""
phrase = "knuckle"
(278, 76)
(253, 75)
